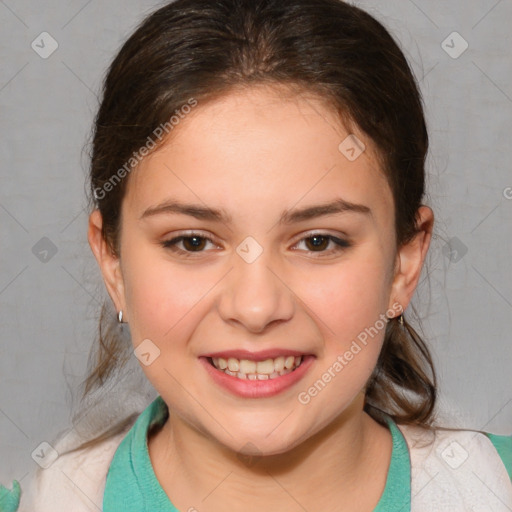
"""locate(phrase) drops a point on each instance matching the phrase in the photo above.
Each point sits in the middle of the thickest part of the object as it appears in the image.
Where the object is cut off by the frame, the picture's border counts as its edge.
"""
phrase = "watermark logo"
(351, 148)
(249, 250)
(454, 455)
(44, 45)
(454, 250)
(454, 45)
(44, 250)
(146, 352)
(45, 455)
(251, 458)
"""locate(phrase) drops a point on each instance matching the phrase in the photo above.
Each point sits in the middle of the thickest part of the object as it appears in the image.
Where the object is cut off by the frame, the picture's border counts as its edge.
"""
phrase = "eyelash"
(172, 243)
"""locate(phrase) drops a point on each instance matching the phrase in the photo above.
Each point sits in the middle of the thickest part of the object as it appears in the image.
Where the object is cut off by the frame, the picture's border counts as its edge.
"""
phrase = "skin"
(253, 154)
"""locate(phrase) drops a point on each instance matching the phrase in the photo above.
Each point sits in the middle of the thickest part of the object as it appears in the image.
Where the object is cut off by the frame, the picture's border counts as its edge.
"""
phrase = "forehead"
(261, 145)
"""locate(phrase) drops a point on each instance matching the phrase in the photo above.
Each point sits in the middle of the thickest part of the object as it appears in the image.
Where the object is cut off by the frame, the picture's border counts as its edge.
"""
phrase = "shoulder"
(76, 477)
(459, 468)
(503, 445)
(454, 446)
(10, 498)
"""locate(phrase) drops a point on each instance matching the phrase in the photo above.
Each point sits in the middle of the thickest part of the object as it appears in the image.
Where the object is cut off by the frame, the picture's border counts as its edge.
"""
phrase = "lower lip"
(258, 388)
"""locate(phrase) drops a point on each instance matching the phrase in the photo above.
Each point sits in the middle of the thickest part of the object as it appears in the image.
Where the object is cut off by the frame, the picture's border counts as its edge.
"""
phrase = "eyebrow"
(287, 216)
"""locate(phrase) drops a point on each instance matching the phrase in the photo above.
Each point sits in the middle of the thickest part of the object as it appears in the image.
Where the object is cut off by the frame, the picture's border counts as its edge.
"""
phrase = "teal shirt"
(132, 485)
(131, 470)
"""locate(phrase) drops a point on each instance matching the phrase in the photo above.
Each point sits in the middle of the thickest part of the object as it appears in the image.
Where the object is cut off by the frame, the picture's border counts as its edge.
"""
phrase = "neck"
(331, 468)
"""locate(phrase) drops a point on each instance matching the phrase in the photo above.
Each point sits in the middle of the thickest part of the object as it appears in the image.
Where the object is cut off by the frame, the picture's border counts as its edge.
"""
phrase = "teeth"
(257, 370)
(247, 366)
(233, 364)
(266, 367)
(279, 364)
(289, 362)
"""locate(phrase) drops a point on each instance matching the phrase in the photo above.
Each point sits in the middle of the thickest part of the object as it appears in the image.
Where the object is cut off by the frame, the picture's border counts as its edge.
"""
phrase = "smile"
(261, 375)
(246, 369)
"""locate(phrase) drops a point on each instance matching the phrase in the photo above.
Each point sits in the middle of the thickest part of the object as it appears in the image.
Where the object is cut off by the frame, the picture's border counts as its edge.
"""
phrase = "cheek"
(160, 297)
(349, 303)
(347, 298)
(165, 304)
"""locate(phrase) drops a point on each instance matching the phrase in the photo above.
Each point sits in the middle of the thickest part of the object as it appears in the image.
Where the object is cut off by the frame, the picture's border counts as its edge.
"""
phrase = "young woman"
(257, 187)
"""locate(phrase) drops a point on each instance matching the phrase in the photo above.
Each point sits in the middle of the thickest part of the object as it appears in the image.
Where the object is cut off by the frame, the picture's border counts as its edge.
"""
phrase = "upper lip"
(255, 356)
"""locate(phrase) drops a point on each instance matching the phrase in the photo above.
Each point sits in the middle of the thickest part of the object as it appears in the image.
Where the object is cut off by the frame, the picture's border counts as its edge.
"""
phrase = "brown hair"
(202, 49)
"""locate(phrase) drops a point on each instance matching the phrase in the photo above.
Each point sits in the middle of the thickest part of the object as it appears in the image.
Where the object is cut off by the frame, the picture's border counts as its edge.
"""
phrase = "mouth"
(248, 369)
(257, 374)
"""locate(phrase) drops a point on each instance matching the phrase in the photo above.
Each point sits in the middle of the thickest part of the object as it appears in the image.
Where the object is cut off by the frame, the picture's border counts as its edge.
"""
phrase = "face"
(250, 239)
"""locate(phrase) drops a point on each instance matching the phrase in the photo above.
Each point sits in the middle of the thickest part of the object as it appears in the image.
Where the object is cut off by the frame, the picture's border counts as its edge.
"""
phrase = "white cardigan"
(460, 471)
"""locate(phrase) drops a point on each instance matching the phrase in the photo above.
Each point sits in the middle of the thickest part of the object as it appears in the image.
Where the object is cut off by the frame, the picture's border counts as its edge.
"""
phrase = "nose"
(254, 295)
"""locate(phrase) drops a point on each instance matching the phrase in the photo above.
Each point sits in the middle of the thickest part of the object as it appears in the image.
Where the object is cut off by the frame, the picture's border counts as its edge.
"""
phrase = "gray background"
(49, 309)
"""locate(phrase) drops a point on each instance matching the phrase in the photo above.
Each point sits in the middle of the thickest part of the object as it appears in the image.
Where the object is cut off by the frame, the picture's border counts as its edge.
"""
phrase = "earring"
(120, 316)
(401, 320)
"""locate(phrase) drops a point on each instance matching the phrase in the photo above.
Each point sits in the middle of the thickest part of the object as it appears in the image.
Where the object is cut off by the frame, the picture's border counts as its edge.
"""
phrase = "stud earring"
(120, 316)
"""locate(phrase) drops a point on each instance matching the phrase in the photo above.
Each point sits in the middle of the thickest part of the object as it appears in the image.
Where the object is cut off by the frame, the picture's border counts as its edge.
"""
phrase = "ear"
(409, 259)
(108, 262)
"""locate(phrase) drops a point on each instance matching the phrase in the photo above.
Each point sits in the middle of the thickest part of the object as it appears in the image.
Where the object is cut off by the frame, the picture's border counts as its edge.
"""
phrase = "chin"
(259, 444)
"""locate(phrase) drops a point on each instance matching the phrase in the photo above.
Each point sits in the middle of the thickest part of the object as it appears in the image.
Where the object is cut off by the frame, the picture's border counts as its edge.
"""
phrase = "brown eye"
(323, 244)
(317, 242)
(188, 244)
(194, 243)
